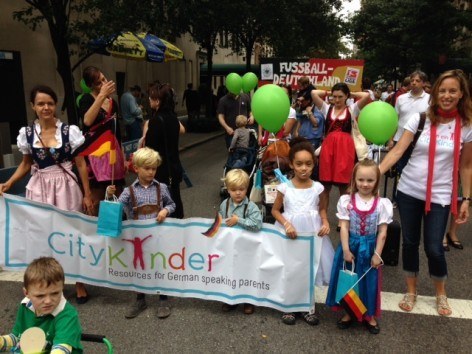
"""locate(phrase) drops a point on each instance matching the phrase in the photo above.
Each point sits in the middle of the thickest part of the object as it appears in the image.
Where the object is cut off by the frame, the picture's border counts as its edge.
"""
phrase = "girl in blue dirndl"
(364, 218)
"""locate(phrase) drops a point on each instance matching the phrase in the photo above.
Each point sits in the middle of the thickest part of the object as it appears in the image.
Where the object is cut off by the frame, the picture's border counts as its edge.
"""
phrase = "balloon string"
(276, 152)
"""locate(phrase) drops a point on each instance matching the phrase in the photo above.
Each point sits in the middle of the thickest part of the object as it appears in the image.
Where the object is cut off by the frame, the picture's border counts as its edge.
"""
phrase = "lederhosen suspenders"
(145, 209)
(227, 207)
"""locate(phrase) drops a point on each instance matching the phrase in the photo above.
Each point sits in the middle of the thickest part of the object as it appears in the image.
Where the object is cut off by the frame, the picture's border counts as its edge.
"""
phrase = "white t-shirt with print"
(415, 175)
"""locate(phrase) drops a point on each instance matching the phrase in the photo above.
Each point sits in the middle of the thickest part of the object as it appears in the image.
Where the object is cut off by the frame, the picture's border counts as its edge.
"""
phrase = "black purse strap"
(166, 148)
(419, 130)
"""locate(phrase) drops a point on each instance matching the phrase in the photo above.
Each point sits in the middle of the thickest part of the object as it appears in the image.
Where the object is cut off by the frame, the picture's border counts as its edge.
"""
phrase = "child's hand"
(233, 220)
(162, 215)
(324, 228)
(111, 190)
(290, 230)
(376, 261)
(348, 256)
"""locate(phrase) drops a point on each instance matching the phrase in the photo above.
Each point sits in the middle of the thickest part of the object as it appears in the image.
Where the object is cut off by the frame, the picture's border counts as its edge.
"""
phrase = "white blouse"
(75, 137)
(384, 208)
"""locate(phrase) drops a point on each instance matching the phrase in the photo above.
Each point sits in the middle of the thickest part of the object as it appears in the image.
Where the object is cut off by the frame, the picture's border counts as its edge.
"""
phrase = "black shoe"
(456, 244)
(373, 329)
(82, 299)
(227, 307)
(344, 324)
(136, 308)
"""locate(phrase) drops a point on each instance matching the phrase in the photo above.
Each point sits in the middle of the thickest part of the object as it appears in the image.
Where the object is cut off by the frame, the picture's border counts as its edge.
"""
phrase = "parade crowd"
(434, 135)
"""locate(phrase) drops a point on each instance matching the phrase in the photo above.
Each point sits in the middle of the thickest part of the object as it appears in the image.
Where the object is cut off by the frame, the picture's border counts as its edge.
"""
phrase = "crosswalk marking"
(425, 305)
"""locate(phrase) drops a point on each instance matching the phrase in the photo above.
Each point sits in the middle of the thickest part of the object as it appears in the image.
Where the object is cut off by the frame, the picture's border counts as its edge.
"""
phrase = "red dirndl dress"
(338, 153)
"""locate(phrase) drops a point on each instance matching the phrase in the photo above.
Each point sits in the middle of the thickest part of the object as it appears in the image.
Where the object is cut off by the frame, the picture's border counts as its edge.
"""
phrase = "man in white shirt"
(415, 101)
(387, 93)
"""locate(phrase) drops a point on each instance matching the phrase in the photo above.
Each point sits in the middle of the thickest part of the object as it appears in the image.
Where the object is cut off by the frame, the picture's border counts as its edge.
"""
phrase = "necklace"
(366, 201)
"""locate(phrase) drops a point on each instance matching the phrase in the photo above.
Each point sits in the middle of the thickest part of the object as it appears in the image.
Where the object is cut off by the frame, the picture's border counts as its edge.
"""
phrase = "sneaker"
(136, 308)
(163, 311)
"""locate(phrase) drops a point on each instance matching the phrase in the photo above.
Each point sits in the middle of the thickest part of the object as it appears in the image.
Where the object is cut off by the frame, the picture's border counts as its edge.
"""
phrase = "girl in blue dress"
(363, 217)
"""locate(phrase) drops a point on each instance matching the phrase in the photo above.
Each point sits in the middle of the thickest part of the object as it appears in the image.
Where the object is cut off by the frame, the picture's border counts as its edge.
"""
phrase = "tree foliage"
(308, 28)
(399, 35)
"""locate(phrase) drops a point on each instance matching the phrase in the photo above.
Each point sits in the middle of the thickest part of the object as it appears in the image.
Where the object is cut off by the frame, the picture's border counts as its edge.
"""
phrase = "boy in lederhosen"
(146, 199)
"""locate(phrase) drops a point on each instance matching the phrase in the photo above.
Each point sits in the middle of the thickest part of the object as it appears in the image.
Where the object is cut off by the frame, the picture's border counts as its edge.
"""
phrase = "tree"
(397, 36)
(57, 15)
(205, 20)
(312, 28)
(253, 21)
(72, 23)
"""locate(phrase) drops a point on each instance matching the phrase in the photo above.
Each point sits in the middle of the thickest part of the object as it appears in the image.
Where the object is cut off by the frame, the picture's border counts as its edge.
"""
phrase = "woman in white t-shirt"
(443, 151)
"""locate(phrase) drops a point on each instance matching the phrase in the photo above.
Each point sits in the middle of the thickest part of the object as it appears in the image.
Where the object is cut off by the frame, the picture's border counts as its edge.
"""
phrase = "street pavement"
(199, 326)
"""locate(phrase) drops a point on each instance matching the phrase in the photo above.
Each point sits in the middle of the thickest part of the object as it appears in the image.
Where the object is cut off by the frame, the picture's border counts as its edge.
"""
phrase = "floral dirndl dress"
(49, 182)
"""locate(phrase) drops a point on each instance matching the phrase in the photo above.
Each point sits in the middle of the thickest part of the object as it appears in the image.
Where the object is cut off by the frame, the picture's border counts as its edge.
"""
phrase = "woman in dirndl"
(338, 153)
(47, 147)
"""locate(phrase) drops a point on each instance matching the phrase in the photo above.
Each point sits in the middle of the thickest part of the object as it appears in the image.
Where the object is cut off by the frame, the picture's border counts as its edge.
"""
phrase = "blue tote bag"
(346, 279)
(110, 216)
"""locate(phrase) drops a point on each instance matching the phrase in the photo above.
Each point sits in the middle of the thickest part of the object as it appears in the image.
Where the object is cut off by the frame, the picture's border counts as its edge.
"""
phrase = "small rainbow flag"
(353, 305)
(214, 227)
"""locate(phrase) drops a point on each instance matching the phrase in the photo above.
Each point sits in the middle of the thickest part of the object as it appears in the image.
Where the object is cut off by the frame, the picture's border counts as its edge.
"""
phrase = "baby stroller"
(243, 158)
(273, 157)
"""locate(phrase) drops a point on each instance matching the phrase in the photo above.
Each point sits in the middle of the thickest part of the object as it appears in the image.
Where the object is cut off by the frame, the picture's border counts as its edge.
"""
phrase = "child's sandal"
(311, 319)
(408, 302)
(443, 306)
(289, 318)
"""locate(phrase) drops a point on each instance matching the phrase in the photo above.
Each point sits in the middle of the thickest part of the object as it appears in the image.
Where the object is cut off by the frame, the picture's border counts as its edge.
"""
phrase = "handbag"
(360, 143)
(110, 216)
(256, 192)
(346, 279)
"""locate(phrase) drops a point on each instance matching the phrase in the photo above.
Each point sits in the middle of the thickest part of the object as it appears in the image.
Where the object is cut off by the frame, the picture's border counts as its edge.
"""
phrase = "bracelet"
(285, 223)
(466, 199)
(378, 255)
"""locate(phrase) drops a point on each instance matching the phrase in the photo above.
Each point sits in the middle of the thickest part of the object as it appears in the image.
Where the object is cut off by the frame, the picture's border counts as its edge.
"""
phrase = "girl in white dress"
(305, 213)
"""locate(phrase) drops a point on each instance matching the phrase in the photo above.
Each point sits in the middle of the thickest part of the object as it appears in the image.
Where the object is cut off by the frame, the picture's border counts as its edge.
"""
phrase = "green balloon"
(270, 106)
(250, 81)
(84, 87)
(234, 83)
(378, 122)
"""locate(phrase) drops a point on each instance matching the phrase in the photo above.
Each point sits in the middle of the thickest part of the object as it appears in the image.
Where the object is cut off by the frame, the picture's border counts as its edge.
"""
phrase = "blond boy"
(146, 199)
(45, 306)
(239, 210)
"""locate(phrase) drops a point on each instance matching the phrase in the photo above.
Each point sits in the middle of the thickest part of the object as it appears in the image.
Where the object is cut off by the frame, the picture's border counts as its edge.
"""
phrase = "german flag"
(353, 305)
(101, 141)
(214, 227)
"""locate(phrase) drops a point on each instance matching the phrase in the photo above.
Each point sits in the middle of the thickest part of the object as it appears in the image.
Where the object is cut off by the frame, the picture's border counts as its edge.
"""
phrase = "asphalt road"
(199, 326)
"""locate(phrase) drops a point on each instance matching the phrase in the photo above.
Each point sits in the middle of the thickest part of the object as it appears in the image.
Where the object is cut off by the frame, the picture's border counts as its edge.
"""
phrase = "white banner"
(174, 258)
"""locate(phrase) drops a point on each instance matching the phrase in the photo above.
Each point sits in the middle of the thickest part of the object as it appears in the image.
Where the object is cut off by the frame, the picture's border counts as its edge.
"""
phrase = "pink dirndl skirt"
(337, 158)
(52, 185)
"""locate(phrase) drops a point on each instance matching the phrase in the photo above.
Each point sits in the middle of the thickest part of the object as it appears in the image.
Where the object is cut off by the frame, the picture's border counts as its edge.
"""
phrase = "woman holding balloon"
(444, 150)
(338, 153)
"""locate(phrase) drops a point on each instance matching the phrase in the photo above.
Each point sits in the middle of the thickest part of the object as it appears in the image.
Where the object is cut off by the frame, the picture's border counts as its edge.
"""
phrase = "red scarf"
(432, 153)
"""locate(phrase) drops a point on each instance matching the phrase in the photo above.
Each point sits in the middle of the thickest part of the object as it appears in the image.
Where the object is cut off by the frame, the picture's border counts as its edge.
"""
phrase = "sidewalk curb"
(201, 141)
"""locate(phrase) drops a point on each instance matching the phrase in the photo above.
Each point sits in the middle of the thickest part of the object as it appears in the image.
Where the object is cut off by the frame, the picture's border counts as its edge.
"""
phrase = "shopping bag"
(110, 216)
(347, 278)
(352, 303)
(256, 192)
